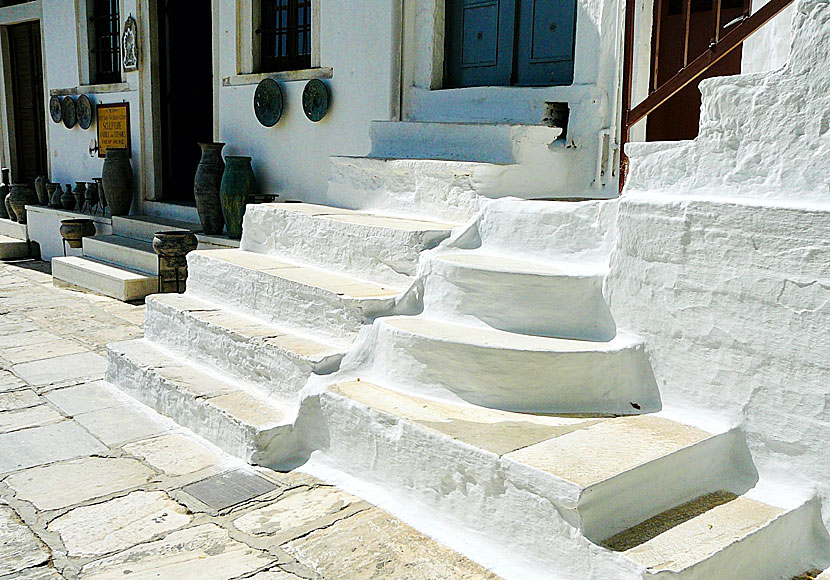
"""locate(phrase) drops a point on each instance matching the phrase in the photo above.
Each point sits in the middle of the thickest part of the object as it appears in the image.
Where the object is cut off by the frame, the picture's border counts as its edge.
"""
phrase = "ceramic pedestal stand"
(172, 248)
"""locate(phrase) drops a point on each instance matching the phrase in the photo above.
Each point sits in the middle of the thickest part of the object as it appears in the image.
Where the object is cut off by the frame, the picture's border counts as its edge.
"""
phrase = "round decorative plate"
(316, 100)
(68, 112)
(84, 112)
(55, 109)
(268, 102)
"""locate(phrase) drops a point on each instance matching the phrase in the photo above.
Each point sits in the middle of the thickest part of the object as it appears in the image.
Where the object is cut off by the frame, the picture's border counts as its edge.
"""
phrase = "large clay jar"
(4, 191)
(206, 188)
(118, 181)
(40, 190)
(238, 185)
(21, 195)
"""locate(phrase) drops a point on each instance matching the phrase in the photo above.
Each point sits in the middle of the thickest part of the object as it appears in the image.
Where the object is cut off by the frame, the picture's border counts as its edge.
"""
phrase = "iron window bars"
(106, 46)
(285, 35)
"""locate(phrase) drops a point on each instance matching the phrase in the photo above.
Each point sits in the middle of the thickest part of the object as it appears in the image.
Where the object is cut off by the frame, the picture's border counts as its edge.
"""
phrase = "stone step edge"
(175, 322)
(565, 269)
(571, 497)
(190, 410)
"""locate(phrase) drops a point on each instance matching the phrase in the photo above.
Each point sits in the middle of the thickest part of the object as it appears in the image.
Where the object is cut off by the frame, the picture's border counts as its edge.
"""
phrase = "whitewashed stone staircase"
(478, 388)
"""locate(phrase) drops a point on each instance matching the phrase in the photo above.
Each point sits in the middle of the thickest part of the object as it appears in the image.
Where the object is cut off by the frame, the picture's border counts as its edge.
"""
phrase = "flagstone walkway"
(95, 486)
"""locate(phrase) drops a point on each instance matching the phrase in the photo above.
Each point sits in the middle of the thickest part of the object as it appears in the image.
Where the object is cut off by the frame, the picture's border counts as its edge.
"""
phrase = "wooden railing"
(737, 33)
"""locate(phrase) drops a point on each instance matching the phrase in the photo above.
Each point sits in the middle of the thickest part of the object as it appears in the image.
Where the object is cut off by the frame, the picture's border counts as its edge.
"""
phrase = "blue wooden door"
(509, 42)
(479, 42)
(545, 47)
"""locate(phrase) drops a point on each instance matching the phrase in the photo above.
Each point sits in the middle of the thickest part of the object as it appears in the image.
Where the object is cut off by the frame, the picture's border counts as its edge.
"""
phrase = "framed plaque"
(113, 127)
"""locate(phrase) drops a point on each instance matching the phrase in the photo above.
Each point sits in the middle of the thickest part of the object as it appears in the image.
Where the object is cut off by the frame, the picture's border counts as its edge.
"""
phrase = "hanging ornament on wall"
(84, 112)
(268, 102)
(129, 45)
(316, 100)
(55, 109)
(68, 112)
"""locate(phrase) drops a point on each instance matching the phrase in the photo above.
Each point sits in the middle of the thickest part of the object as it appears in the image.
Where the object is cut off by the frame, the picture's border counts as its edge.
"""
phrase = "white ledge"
(92, 89)
(286, 76)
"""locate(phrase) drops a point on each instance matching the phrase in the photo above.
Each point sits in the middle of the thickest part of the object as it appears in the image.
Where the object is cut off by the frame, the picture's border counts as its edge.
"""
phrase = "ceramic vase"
(238, 185)
(40, 190)
(79, 193)
(67, 199)
(118, 181)
(54, 192)
(75, 230)
(206, 188)
(91, 196)
(4, 192)
(174, 246)
(21, 195)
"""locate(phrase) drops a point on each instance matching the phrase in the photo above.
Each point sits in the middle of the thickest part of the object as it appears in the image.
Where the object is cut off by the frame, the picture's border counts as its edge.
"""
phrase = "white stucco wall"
(358, 40)
(769, 48)
(722, 260)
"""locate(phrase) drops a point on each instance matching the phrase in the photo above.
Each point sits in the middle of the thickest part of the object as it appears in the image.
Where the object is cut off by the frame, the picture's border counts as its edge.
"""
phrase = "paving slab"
(22, 354)
(119, 523)
(9, 382)
(29, 338)
(26, 418)
(19, 547)
(228, 489)
(276, 575)
(205, 552)
(372, 545)
(39, 573)
(116, 425)
(62, 368)
(175, 454)
(48, 444)
(86, 398)
(69, 483)
(295, 511)
(19, 400)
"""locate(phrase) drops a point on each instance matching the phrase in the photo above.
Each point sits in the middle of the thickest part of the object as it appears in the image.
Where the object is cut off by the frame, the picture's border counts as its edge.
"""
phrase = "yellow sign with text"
(113, 127)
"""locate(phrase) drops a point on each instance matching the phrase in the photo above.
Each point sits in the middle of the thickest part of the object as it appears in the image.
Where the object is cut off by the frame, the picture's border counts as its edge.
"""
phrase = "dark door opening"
(509, 42)
(27, 102)
(186, 92)
(679, 117)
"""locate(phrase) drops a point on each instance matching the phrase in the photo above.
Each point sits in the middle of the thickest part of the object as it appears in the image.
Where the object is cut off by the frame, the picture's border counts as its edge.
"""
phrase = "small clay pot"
(40, 190)
(75, 230)
(79, 193)
(67, 199)
(91, 195)
(54, 192)
(174, 246)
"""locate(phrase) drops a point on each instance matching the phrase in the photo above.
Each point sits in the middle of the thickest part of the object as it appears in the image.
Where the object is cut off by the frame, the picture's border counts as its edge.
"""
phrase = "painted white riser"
(382, 248)
(121, 251)
(517, 295)
(12, 248)
(327, 304)
(235, 420)
(273, 361)
(509, 371)
(13, 229)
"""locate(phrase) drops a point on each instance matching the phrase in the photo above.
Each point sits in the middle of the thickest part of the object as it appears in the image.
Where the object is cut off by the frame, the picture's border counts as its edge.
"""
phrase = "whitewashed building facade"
(604, 386)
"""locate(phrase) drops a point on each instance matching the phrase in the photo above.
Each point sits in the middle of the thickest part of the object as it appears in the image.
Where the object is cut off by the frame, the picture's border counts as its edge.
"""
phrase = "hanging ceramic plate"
(84, 112)
(55, 109)
(315, 100)
(68, 112)
(268, 102)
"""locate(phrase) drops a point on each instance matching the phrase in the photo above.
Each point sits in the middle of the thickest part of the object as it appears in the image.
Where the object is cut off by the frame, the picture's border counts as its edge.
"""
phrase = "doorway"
(679, 117)
(185, 92)
(29, 156)
(509, 42)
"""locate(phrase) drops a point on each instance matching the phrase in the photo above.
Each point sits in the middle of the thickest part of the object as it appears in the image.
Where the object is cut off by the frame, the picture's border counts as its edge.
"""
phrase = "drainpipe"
(611, 132)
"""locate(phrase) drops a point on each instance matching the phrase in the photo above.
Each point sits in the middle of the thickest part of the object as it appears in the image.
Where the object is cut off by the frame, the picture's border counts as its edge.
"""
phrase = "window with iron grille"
(106, 49)
(285, 35)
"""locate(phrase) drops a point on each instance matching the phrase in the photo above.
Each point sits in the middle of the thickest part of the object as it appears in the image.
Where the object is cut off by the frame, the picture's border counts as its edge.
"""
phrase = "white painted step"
(275, 361)
(143, 227)
(322, 302)
(737, 540)
(115, 282)
(12, 229)
(237, 421)
(484, 142)
(13, 248)
(131, 253)
(378, 247)
(562, 300)
(438, 189)
(522, 482)
(515, 372)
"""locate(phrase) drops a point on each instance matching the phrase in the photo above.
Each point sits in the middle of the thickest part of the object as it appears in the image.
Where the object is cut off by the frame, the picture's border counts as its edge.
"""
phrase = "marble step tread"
(122, 251)
(11, 248)
(113, 281)
(13, 229)
(327, 280)
(235, 419)
(592, 466)
(142, 227)
(513, 265)
(361, 217)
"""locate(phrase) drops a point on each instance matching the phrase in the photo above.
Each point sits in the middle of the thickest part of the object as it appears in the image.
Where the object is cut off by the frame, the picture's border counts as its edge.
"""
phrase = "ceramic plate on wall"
(84, 112)
(55, 109)
(268, 102)
(316, 100)
(68, 112)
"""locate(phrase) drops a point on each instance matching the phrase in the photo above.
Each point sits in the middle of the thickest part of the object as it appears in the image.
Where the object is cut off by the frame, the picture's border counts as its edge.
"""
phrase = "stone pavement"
(95, 486)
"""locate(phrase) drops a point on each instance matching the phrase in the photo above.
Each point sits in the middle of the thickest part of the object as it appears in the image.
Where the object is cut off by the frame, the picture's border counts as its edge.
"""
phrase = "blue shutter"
(479, 42)
(547, 31)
